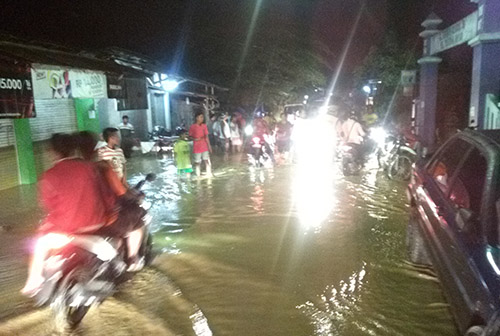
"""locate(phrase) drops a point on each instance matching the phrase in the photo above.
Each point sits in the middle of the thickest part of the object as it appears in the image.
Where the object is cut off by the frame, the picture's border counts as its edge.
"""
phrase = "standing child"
(182, 152)
(201, 146)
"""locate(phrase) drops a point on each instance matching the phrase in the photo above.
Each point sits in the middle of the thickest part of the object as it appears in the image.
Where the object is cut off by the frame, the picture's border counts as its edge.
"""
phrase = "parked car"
(454, 226)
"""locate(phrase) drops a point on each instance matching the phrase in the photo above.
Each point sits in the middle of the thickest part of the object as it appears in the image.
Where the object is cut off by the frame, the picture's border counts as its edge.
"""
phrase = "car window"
(446, 162)
(467, 188)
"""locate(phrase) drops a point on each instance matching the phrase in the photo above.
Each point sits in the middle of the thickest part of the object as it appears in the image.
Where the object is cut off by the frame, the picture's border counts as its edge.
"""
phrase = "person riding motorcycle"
(262, 131)
(124, 214)
(71, 194)
(80, 199)
(352, 133)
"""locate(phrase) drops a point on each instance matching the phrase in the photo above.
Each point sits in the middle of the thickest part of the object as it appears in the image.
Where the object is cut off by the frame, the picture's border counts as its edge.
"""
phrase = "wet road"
(289, 251)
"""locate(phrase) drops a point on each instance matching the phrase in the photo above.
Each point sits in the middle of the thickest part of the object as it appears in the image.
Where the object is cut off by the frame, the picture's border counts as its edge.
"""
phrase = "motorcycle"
(83, 270)
(260, 153)
(352, 162)
(164, 141)
(394, 155)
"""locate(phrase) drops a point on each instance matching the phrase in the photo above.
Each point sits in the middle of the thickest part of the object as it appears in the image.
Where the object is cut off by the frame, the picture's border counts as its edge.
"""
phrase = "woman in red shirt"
(201, 146)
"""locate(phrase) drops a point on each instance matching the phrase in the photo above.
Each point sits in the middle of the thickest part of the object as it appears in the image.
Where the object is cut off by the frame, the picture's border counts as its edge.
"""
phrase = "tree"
(279, 75)
(281, 64)
(385, 62)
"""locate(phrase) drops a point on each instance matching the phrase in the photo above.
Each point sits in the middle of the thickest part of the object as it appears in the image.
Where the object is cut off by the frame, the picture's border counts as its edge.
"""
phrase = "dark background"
(191, 37)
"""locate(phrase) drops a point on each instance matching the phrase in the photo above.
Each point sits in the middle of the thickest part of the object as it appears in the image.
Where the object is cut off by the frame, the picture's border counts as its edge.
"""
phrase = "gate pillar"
(426, 108)
(486, 61)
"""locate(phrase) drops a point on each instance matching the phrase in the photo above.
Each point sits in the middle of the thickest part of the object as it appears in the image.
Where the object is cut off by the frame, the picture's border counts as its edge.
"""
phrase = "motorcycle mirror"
(150, 177)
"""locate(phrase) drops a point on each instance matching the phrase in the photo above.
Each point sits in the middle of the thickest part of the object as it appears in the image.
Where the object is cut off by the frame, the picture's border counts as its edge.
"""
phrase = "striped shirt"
(115, 158)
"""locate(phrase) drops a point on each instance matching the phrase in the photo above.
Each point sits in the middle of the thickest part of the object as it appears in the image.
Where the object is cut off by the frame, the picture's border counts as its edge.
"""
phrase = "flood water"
(298, 250)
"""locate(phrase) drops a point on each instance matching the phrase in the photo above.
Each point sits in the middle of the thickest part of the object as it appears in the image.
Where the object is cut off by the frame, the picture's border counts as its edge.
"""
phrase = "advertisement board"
(56, 82)
(16, 94)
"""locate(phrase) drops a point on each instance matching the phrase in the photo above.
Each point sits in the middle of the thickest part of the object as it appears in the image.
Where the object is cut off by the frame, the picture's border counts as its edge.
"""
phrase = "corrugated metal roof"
(43, 55)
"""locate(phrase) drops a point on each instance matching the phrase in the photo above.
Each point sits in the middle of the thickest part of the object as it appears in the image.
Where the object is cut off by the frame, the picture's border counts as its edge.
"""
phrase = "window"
(467, 188)
(446, 162)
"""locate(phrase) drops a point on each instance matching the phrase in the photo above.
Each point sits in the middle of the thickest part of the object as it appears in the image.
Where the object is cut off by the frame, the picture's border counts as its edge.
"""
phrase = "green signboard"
(461, 32)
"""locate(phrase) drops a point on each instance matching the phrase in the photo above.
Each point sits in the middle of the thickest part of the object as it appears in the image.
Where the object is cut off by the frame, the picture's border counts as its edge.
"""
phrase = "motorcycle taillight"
(256, 140)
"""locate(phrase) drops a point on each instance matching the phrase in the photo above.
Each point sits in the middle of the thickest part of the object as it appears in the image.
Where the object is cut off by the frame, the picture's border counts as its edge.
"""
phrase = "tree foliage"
(278, 75)
(281, 64)
(385, 62)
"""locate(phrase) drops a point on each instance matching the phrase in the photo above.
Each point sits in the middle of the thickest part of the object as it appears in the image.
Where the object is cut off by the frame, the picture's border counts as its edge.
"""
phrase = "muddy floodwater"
(298, 250)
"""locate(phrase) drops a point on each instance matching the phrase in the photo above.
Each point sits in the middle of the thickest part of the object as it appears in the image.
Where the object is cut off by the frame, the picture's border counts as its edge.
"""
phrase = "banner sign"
(56, 82)
(16, 94)
(461, 32)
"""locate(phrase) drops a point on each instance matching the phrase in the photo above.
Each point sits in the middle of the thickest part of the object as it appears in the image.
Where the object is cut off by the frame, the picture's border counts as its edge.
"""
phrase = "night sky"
(186, 34)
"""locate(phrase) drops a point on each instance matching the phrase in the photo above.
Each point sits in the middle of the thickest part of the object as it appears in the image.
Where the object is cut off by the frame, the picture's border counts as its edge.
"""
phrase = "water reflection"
(313, 196)
(257, 199)
(329, 312)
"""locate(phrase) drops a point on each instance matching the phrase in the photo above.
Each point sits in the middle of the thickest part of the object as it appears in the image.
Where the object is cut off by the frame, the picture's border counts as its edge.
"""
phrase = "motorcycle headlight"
(378, 135)
(249, 130)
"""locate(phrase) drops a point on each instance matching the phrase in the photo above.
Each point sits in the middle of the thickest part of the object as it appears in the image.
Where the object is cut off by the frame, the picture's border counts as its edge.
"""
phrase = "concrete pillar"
(486, 65)
(168, 120)
(426, 108)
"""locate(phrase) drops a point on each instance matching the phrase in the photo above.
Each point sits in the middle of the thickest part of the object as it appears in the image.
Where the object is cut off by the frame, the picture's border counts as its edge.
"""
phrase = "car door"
(465, 233)
(435, 213)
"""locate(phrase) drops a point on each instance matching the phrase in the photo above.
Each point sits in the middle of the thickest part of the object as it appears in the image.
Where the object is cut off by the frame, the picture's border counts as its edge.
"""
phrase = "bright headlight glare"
(55, 240)
(378, 135)
(249, 130)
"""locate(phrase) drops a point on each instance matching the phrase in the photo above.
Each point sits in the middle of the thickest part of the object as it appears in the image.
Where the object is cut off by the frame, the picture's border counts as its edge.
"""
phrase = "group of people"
(227, 132)
(86, 192)
(225, 135)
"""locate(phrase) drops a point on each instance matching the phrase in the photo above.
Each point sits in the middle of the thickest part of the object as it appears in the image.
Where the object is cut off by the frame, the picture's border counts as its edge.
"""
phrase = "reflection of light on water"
(313, 195)
(200, 324)
(337, 303)
(257, 199)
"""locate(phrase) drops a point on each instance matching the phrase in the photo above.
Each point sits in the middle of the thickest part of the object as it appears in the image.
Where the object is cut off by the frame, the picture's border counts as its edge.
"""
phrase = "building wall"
(53, 116)
(183, 113)
(109, 116)
(157, 104)
(138, 118)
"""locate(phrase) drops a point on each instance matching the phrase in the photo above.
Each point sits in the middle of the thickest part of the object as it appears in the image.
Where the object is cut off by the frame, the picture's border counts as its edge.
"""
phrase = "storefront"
(16, 101)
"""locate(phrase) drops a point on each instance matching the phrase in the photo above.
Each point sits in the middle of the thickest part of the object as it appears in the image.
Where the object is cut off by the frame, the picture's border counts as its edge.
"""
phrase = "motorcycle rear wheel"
(66, 317)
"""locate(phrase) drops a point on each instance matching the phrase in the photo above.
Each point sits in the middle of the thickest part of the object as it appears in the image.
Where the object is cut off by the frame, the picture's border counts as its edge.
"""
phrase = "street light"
(170, 84)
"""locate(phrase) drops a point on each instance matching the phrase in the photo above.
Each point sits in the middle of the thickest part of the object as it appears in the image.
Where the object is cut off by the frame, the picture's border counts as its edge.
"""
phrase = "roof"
(112, 60)
(31, 53)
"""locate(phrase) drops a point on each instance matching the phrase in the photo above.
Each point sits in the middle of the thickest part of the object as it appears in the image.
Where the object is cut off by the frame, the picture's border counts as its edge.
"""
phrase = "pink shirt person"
(200, 135)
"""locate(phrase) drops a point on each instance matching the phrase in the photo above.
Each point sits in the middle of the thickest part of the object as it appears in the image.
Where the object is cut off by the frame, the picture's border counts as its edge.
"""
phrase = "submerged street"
(296, 250)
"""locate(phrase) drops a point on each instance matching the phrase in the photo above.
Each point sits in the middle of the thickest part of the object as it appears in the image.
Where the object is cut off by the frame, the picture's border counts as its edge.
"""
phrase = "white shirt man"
(352, 132)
